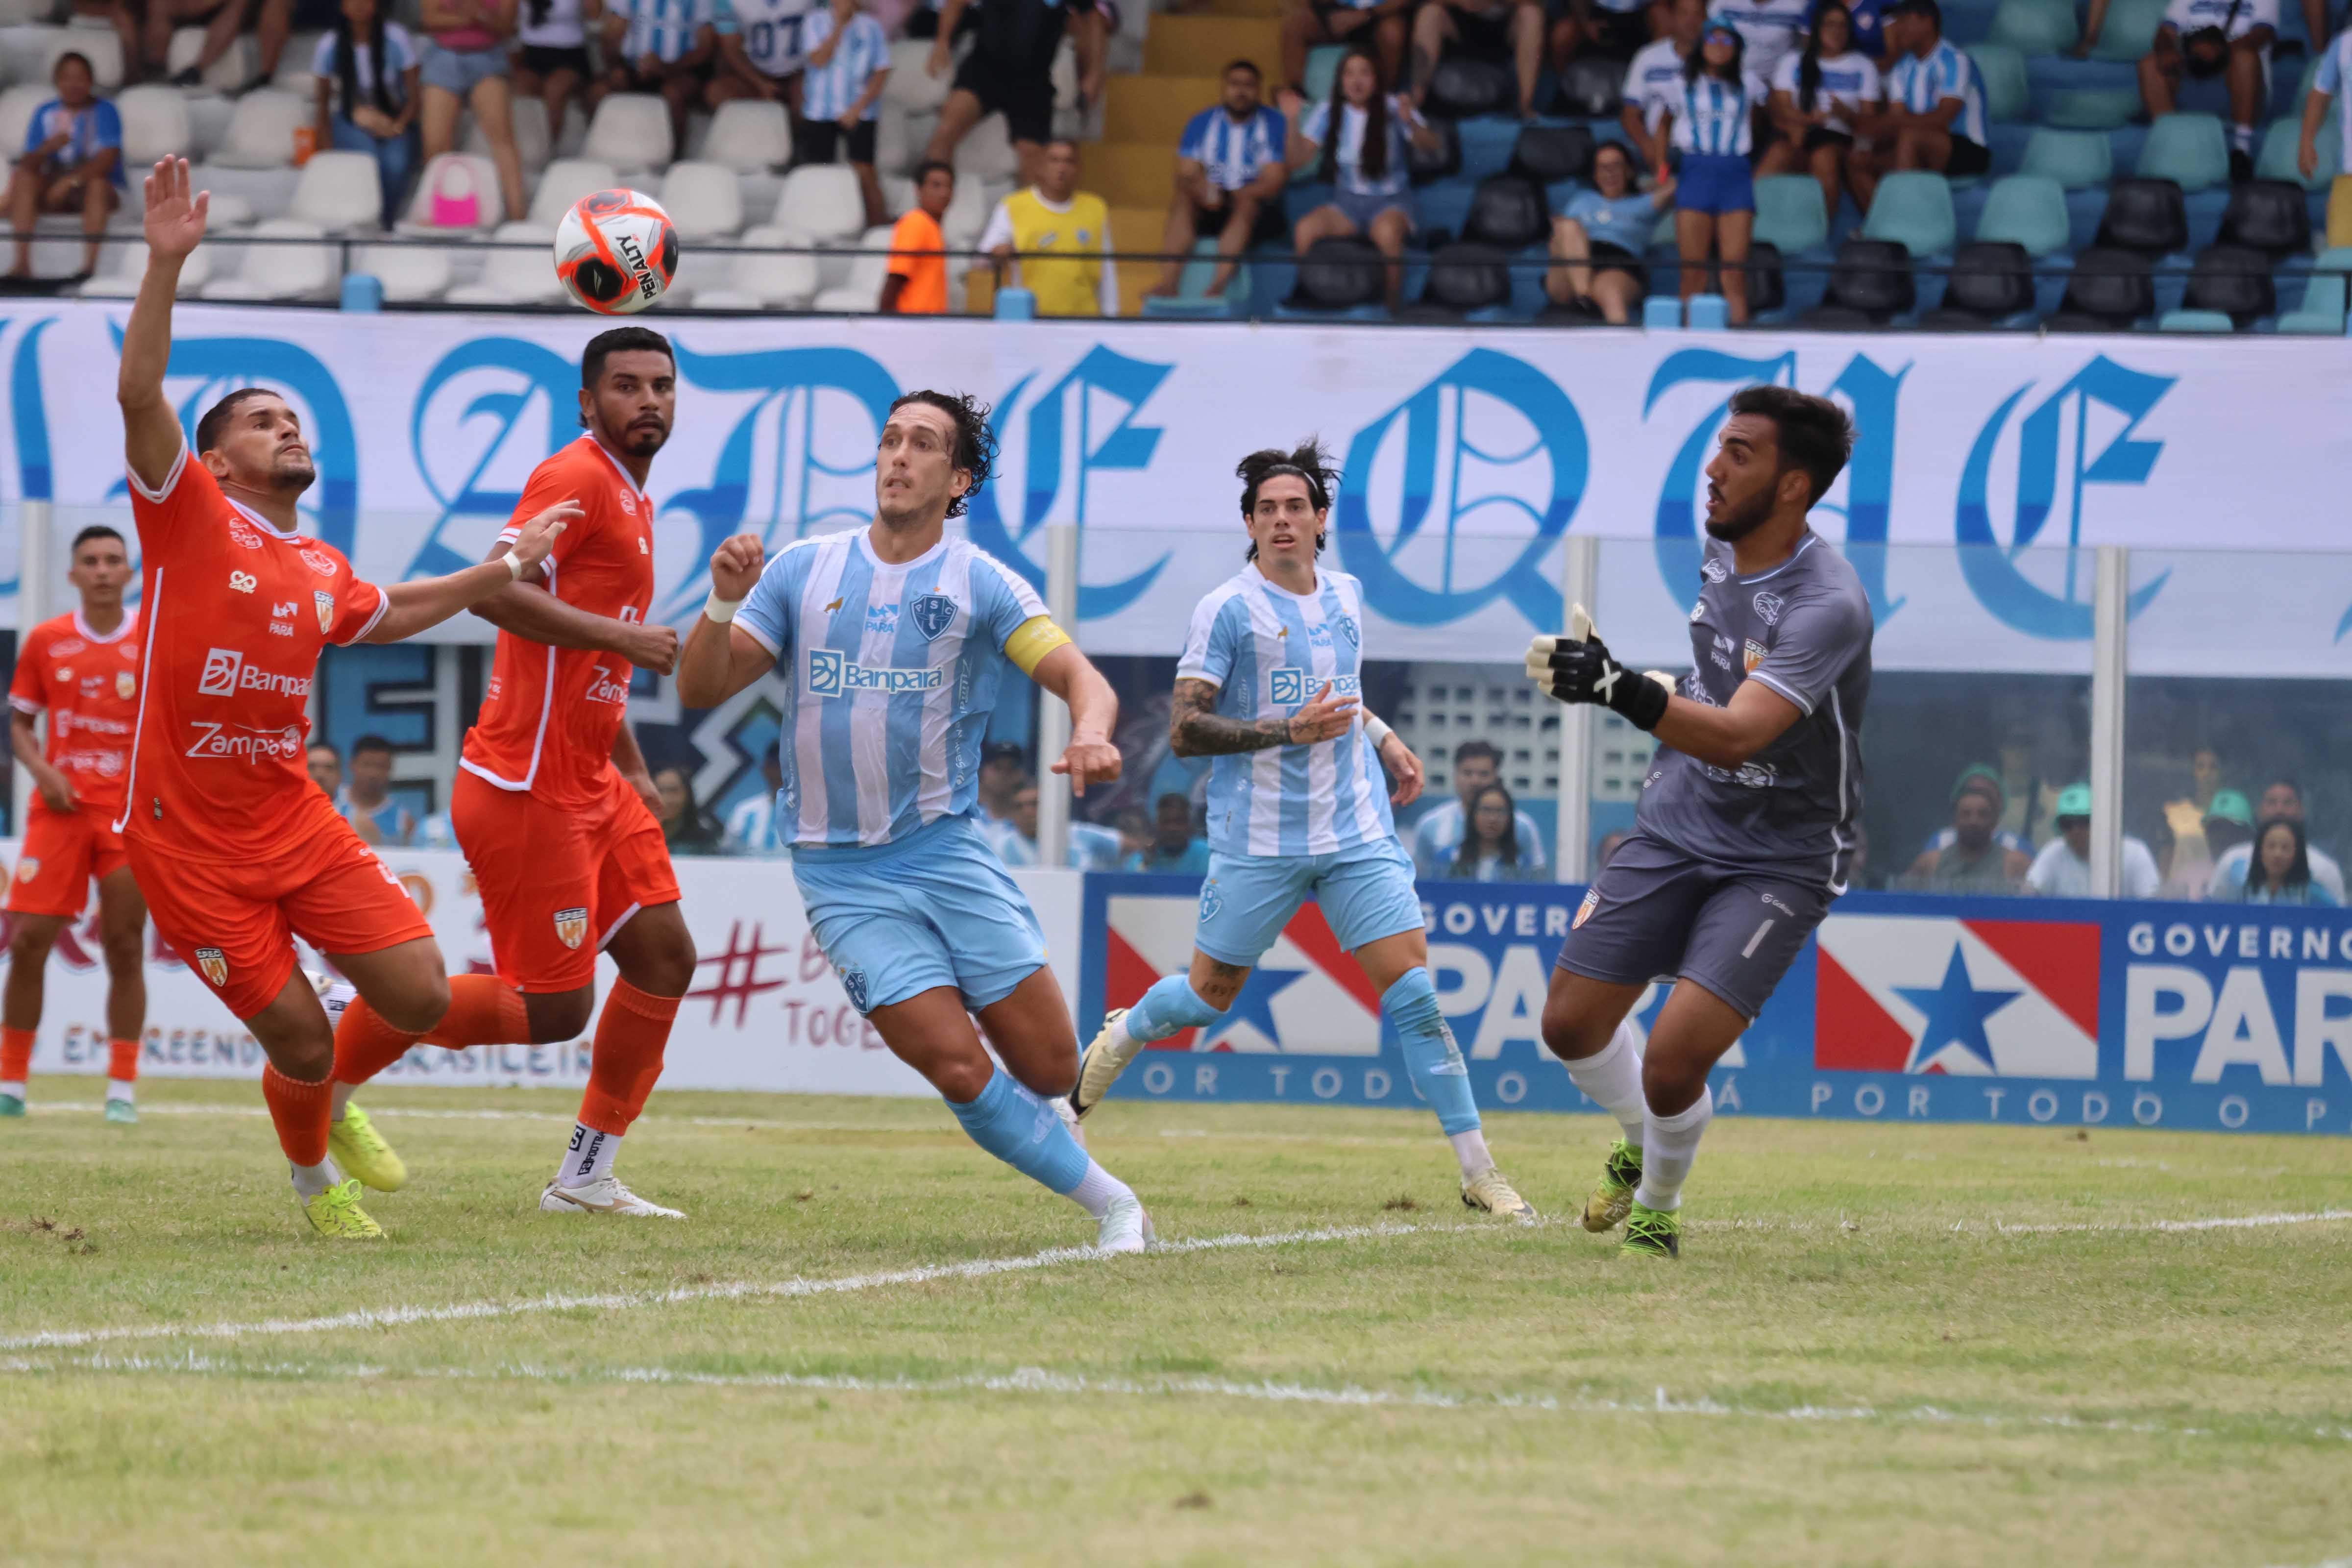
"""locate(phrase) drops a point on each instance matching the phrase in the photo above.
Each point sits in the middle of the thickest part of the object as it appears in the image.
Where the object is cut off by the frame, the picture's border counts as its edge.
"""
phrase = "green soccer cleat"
(11, 1105)
(122, 1113)
(1619, 1174)
(1652, 1233)
(359, 1150)
(336, 1212)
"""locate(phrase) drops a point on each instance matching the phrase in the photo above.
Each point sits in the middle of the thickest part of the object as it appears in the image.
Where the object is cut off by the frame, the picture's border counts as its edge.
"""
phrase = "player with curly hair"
(894, 640)
(1271, 686)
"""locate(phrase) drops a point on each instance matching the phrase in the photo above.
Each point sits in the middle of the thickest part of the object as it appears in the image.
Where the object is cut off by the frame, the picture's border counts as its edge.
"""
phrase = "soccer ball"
(615, 251)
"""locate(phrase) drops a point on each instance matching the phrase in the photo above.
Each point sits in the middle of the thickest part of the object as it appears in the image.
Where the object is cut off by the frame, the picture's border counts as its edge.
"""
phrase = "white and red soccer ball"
(616, 251)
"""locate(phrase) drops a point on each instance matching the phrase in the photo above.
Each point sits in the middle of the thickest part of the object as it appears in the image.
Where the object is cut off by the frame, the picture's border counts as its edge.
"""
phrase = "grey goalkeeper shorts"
(1657, 911)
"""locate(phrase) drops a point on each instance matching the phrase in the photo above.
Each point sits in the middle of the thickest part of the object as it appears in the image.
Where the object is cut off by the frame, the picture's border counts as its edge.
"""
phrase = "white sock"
(588, 1158)
(1470, 1148)
(1611, 1078)
(341, 1097)
(310, 1181)
(1098, 1190)
(123, 1089)
(1670, 1146)
(13, 1090)
(2241, 137)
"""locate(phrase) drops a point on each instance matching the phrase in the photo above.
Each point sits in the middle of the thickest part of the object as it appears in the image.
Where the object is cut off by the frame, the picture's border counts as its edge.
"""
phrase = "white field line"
(1037, 1380)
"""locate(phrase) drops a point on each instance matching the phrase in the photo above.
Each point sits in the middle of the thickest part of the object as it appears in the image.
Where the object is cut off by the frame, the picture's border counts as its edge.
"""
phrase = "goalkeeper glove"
(1571, 671)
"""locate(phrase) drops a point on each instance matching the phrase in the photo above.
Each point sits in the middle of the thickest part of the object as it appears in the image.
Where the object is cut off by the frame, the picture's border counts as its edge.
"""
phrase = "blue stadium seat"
(2049, 75)
(2129, 30)
(2195, 321)
(2077, 160)
(2035, 27)
(1788, 212)
(2323, 307)
(2192, 151)
(1970, 22)
(1322, 68)
(2027, 210)
(2284, 138)
(1914, 210)
(2091, 108)
(2003, 70)
(1191, 301)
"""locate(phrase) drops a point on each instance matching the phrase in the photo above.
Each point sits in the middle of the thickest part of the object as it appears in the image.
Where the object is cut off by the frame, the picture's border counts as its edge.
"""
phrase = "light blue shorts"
(1366, 892)
(933, 909)
(459, 71)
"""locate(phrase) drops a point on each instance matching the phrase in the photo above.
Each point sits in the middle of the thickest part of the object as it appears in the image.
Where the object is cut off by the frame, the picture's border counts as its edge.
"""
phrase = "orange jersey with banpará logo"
(550, 715)
(234, 613)
(89, 685)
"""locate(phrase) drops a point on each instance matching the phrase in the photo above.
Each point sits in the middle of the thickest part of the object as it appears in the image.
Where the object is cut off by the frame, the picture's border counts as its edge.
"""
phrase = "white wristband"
(514, 565)
(1377, 728)
(720, 611)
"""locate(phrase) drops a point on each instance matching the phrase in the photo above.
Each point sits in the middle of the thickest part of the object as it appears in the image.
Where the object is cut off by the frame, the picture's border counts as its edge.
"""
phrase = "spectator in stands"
(2335, 65)
(1606, 851)
(1714, 192)
(2277, 869)
(278, 23)
(841, 94)
(72, 161)
(751, 826)
(764, 56)
(326, 768)
(125, 19)
(1441, 828)
(669, 47)
(1509, 32)
(2229, 825)
(1618, 29)
(1933, 114)
(1986, 776)
(1364, 157)
(1135, 831)
(1174, 848)
(1011, 70)
(550, 61)
(2191, 866)
(1092, 847)
(1054, 239)
(1229, 178)
(1654, 83)
(1003, 769)
(1489, 851)
(2063, 870)
(2203, 39)
(1976, 861)
(364, 76)
(2282, 801)
(223, 20)
(1597, 245)
(916, 283)
(1378, 25)
(1818, 96)
(686, 826)
(1769, 32)
(464, 61)
(366, 800)
(1869, 19)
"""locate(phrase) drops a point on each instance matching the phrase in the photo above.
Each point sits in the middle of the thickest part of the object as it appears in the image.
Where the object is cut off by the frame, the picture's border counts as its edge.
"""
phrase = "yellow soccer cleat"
(359, 1150)
(337, 1213)
(1490, 1192)
(1619, 1174)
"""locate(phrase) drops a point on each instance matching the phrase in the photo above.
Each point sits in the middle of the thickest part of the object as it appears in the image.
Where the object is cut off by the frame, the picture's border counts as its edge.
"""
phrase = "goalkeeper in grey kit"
(1745, 828)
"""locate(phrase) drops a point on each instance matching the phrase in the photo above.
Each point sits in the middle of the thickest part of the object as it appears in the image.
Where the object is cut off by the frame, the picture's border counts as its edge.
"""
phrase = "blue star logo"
(1254, 1006)
(1957, 1011)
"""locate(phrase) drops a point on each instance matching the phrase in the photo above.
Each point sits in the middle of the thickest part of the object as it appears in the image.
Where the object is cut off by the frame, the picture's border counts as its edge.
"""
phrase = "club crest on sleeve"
(325, 604)
(1712, 570)
(853, 981)
(214, 963)
(572, 927)
(27, 869)
(1769, 606)
(1584, 911)
(319, 561)
(933, 614)
(1754, 654)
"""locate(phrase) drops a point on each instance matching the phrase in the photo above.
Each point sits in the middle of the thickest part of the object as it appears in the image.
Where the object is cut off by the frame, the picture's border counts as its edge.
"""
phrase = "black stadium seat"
(2110, 290)
(2268, 216)
(2148, 215)
(1550, 154)
(1767, 290)
(1444, 162)
(1991, 279)
(2234, 280)
(1338, 273)
(1507, 210)
(1870, 284)
(1590, 88)
(1463, 87)
(1466, 276)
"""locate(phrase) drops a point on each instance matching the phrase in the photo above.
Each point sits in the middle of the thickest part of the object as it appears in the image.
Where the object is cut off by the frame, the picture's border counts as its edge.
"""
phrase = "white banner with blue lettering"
(1986, 465)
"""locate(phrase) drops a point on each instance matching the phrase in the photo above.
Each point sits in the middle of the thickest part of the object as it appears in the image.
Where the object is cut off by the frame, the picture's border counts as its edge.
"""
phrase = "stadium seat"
(751, 137)
(454, 186)
(521, 276)
(1322, 70)
(2109, 290)
(2322, 309)
(631, 132)
(2091, 108)
(2077, 160)
(275, 272)
(294, 65)
(2195, 321)
(2233, 281)
(154, 124)
(1508, 211)
(1336, 274)
(120, 281)
(862, 294)
(1870, 285)
(2026, 210)
(339, 192)
(2145, 215)
(909, 85)
(986, 152)
(824, 202)
(25, 48)
(2283, 142)
(1913, 209)
(2003, 70)
(1463, 87)
(1551, 154)
(261, 133)
(966, 218)
(1440, 163)
(103, 49)
(1789, 212)
(2268, 216)
(534, 143)
(229, 74)
(2129, 30)
(779, 276)
(16, 107)
(2035, 27)
(2191, 150)
(564, 183)
(1591, 88)
(702, 200)
(410, 274)
(1467, 275)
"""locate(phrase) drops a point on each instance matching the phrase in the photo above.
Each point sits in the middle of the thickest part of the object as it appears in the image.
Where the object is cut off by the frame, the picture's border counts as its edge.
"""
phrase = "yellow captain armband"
(1032, 640)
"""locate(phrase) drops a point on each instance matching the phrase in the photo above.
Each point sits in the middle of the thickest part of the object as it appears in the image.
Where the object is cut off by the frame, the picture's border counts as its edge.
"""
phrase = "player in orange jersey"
(237, 850)
(82, 669)
(552, 803)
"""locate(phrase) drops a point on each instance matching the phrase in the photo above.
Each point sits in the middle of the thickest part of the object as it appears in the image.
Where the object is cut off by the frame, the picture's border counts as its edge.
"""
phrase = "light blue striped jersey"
(1920, 84)
(1348, 157)
(2189, 15)
(1768, 30)
(1232, 155)
(1711, 118)
(2334, 66)
(1653, 82)
(1847, 79)
(828, 90)
(889, 675)
(775, 33)
(1270, 651)
(666, 28)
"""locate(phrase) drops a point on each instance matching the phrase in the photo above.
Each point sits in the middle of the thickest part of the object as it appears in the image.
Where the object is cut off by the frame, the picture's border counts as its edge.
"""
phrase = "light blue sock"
(1024, 1132)
(1169, 1007)
(1430, 1054)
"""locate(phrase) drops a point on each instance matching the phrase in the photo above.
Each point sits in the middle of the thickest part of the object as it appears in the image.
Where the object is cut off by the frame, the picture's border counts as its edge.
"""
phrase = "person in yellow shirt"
(1054, 240)
(916, 283)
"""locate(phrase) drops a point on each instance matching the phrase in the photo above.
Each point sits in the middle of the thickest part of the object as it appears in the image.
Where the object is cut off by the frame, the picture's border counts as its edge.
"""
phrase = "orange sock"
(365, 1044)
(123, 1061)
(299, 1110)
(15, 1054)
(483, 1011)
(627, 1057)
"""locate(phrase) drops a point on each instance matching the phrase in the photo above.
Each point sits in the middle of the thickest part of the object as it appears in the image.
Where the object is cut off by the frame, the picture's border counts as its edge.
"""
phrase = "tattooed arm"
(1196, 729)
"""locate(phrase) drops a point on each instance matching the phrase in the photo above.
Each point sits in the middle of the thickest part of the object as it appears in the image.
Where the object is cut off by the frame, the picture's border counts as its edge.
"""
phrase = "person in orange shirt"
(917, 281)
(552, 803)
(82, 670)
(235, 847)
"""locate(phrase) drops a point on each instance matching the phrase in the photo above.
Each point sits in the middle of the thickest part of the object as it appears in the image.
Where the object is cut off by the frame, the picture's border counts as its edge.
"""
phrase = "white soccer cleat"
(604, 1196)
(1061, 1104)
(1099, 1065)
(1125, 1227)
(334, 994)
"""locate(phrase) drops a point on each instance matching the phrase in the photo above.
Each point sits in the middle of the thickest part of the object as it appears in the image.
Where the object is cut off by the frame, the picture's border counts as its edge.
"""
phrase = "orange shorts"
(62, 851)
(234, 921)
(556, 880)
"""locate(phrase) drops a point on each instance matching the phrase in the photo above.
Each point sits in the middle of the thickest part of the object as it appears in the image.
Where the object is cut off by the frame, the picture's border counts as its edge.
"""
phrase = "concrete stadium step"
(1132, 174)
(1136, 228)
(1269, 8)
(1203, 46)
(1154, 108)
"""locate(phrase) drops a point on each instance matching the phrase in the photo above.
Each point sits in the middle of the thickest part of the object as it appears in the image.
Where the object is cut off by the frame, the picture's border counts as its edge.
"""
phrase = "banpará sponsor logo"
(832, 673)
(1297, 686)
(226, 673)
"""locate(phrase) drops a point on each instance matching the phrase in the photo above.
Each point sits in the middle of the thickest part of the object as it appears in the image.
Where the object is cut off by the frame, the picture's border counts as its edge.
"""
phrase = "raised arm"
(721, 658)
(525, 607)
(411, 607)
(174, 226)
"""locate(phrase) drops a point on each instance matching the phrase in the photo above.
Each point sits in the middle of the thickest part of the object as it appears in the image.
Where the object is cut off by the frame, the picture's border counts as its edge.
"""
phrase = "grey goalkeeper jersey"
(1803, 629)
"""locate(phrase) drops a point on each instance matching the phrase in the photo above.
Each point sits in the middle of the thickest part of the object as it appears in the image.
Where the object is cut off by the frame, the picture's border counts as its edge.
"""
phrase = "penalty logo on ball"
(616, 251)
